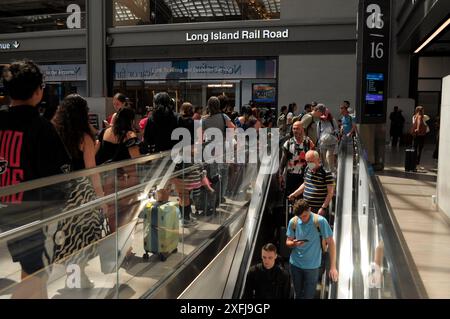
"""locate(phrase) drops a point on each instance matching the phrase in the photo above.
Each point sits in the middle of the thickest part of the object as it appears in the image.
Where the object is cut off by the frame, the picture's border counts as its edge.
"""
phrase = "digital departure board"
(374, 97)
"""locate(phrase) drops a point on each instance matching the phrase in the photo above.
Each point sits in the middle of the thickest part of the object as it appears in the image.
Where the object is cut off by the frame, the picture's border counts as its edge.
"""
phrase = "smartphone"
(304, 240)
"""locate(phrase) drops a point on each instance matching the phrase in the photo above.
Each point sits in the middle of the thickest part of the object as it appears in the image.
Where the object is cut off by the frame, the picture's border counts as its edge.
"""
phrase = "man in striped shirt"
(318, 187)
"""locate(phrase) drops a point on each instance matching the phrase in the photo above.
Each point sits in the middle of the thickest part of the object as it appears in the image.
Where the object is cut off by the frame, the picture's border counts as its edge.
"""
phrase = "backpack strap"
(294, 222)
(311, 123)
(316, 221)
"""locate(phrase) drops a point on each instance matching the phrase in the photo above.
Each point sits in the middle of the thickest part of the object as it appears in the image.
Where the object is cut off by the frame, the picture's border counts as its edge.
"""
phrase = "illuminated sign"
(264, 93)
(256, 34)
(373, 61)
(5, 46)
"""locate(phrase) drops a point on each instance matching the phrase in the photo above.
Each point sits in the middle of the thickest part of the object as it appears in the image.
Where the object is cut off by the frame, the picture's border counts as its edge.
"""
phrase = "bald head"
(297, 129)
(313, 157)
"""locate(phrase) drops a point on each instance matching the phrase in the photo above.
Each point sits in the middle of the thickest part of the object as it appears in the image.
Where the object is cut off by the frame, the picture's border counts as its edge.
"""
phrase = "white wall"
(434, 67)
(328, 79)
(443, 188)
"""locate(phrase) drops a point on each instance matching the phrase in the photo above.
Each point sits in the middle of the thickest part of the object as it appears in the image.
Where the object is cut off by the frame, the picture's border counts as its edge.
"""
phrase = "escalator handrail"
(30, 227)
(250, 250)
(405, 276)
(61, 178)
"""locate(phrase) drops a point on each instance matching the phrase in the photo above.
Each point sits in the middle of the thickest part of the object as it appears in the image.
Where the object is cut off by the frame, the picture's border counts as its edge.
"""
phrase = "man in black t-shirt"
(267, 280)
(30, 148)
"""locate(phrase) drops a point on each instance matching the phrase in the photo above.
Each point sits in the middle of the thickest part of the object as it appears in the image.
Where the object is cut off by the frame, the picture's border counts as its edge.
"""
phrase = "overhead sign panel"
(373, 60)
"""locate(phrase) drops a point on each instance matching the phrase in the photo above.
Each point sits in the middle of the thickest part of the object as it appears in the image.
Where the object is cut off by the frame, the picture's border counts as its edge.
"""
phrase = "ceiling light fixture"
(434, 35)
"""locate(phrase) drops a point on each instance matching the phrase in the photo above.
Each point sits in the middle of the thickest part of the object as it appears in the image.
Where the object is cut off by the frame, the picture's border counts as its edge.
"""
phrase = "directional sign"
(6, 46)
(373, 60)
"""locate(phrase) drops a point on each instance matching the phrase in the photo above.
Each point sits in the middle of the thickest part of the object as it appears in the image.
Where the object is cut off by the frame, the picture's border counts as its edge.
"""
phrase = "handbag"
(81, 231)
(423, 127)
(327, 139)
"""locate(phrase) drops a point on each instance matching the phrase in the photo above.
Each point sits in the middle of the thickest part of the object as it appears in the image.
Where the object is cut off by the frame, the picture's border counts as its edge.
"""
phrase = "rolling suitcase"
(410, 159)
(161, 229)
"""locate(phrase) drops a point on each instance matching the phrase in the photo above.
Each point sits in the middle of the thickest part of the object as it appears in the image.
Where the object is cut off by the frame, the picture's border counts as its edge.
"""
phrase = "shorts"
(29, 250)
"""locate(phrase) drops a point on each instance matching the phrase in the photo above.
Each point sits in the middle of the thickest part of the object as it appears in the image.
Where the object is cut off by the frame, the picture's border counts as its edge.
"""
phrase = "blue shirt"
(347, 123)
(309, 255)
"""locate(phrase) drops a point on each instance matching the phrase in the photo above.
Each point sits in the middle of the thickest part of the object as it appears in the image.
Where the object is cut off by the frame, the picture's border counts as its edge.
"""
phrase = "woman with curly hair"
(72, 124)
(75, 235)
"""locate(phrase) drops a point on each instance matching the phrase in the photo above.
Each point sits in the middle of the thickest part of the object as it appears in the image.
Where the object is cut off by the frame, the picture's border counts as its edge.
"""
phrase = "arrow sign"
(16, 44)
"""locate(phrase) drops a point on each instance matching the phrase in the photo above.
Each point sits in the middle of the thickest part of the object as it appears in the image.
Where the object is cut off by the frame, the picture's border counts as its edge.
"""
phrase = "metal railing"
(372, 256)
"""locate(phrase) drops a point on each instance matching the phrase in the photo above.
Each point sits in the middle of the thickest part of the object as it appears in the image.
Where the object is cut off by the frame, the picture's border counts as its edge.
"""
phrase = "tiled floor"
(426, 231)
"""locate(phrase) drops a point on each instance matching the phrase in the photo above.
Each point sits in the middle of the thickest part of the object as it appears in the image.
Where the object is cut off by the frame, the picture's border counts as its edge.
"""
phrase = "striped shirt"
(316, 186)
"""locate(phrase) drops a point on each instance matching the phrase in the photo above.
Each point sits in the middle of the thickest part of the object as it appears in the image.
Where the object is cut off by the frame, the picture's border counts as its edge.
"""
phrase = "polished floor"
(425, 228)
(135, 276)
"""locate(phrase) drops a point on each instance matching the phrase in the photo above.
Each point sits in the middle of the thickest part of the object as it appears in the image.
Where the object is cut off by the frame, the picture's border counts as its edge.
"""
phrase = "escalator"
(372, 256)
(117, 268)
(212, 258)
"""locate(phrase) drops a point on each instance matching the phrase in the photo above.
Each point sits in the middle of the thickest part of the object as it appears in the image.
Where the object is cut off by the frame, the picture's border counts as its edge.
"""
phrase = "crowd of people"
(35, 147)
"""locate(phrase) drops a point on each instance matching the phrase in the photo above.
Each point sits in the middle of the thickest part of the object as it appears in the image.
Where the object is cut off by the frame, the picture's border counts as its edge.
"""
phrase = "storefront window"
(40, 15)
(141, 12)
(241, 81)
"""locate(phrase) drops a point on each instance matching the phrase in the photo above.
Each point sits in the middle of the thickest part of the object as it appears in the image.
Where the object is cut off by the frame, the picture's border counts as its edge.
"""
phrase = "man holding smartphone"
(303, 235)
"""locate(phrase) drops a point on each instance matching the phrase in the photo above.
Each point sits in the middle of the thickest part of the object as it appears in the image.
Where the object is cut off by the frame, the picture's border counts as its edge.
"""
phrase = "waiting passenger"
(304, 234)
(292, 109)
(119, 101)
(282, 121)
(216, 119)
(419, 130)
(158, 132)
(118, 143)
(267, 280)
(31, 148)
(318, 187)
(306, 109)
(246, 120)
(72, 123)
(191, 180)
(198, 111)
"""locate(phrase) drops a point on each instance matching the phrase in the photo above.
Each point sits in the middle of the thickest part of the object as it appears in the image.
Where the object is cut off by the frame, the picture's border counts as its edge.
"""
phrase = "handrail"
(19, 231)
(340, 181)
(249, 235)
(401, 270)
(51, 180)
(406, 278)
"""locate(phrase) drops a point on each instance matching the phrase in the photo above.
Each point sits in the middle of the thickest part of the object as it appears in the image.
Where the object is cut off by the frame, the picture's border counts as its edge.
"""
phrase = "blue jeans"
(305, 282)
